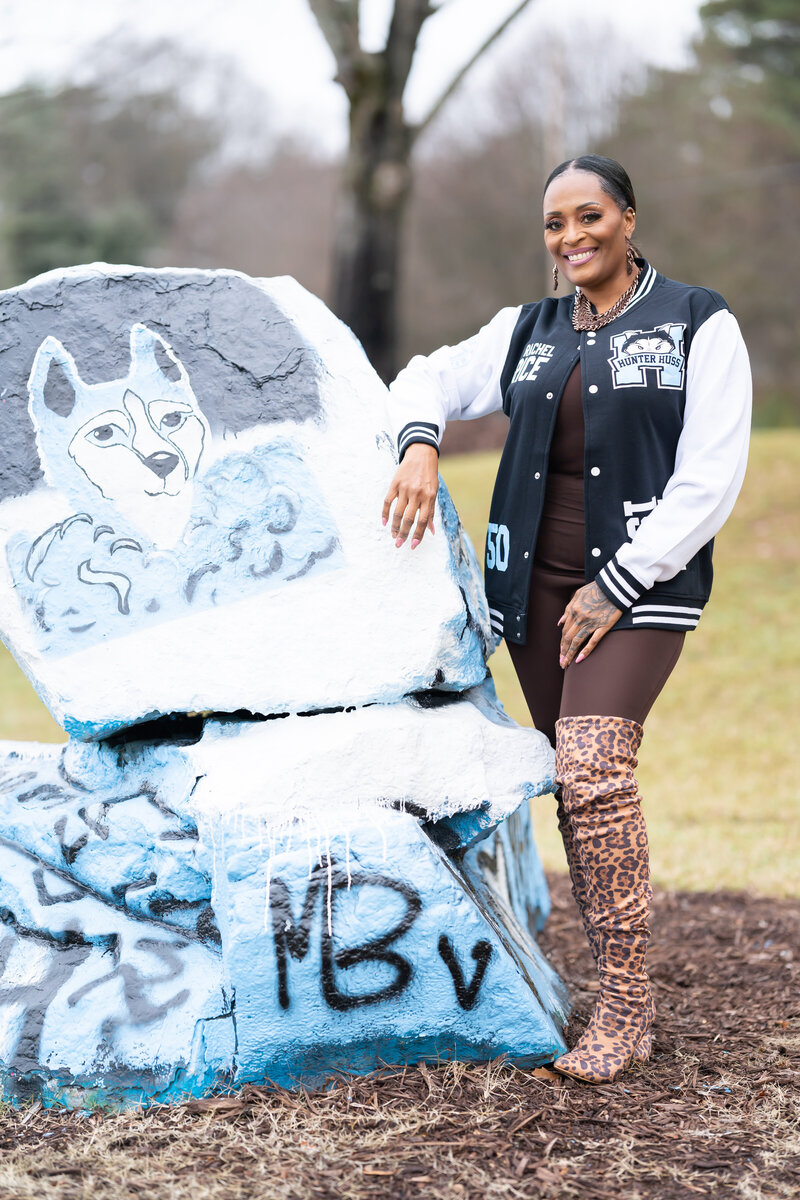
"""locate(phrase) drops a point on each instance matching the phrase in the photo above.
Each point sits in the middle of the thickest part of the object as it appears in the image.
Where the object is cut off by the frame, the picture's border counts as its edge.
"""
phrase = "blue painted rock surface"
(173, 923)
(192, 466)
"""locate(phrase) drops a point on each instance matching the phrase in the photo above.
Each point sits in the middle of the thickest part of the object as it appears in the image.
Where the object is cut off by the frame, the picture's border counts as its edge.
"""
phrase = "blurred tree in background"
(131, 167)
(763, 38)
(93, 173)
(714, 152)
(375, 184)
(270, 216)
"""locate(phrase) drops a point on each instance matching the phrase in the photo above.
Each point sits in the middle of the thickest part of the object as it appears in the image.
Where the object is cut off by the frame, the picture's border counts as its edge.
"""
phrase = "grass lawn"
(719, 765)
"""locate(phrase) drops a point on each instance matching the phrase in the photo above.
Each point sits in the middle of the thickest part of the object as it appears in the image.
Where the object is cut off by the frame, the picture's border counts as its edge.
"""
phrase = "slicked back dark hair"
(614, 179)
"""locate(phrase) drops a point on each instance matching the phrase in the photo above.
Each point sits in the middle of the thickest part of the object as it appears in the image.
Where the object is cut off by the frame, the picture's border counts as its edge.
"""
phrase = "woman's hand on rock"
(413, 492)
(587, 618)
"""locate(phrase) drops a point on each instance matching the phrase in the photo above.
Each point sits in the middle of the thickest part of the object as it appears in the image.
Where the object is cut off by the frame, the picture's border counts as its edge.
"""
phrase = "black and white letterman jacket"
(666, 403)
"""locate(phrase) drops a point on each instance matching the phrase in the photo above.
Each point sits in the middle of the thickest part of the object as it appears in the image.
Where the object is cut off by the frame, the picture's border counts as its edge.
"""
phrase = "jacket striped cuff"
(417, 431)
(622, 588)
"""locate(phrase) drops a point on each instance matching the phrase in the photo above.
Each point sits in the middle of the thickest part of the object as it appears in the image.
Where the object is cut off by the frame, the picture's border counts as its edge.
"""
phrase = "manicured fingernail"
(580, 658)
(384, 520)
(415, 543)
(562, 661)
(399, 543)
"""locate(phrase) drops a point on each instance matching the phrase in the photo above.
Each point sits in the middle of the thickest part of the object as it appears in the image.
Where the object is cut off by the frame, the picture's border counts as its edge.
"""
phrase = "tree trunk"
(373, 200)
(376, 182)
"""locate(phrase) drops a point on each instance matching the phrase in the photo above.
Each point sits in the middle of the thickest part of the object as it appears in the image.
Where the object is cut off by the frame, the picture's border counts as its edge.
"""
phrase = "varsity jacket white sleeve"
(709, 466)
(459, 382)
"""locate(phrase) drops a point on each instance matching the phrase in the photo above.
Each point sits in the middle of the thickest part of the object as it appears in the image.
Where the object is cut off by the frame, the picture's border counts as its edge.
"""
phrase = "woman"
(629, 408)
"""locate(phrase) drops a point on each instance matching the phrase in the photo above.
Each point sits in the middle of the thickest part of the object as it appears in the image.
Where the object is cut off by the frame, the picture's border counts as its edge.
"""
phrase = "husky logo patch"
(658, 350)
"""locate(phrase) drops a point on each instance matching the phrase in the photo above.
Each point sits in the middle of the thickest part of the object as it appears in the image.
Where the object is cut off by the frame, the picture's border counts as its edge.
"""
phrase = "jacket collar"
(644, 285)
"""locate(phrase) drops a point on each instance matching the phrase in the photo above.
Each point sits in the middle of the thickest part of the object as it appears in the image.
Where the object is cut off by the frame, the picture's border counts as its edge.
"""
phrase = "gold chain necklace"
(583, 318)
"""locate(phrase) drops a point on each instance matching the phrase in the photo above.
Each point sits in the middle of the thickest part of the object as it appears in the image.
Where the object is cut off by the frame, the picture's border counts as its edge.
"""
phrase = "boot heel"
(643, 1048)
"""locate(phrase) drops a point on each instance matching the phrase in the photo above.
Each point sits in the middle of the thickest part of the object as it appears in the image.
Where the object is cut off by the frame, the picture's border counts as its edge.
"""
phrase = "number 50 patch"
(498, 545)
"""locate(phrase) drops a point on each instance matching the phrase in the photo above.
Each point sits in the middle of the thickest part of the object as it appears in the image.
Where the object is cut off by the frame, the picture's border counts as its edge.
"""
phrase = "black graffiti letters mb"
(466, 994)
(292, 938)
(376, 950)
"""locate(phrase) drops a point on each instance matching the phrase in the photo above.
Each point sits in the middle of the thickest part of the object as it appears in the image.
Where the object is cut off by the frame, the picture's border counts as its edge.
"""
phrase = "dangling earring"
(630, 259)
(555, 279)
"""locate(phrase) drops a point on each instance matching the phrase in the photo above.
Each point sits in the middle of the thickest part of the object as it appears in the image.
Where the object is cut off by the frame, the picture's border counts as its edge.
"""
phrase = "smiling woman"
(588, 231)
(629, 407)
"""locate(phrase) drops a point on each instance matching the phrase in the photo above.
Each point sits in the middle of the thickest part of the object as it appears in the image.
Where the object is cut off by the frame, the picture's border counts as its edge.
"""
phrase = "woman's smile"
(576, 257)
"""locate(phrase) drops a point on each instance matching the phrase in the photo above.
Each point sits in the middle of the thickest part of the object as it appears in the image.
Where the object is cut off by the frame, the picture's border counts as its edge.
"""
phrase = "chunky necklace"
(583, 318)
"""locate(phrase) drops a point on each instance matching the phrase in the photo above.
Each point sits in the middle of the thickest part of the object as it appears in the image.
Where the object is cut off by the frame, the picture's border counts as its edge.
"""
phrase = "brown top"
(566, 450)
(561, 544)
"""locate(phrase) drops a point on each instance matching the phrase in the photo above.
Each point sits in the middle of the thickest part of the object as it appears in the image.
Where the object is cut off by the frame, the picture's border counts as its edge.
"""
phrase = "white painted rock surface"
(192, 466)
(462, 761)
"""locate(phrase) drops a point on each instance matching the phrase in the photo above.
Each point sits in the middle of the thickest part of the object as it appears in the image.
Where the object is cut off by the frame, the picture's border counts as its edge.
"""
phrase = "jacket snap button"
(549, 395)
(595, 470)
(596, 551)
(537, 475)
(593, 388)
(526, 554)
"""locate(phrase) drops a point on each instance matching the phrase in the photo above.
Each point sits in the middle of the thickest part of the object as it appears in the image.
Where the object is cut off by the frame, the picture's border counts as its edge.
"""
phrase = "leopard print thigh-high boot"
(644, 1047)
(595, 761)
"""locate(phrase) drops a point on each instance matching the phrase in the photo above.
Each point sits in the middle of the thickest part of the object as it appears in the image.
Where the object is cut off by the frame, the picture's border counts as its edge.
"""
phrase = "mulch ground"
(717, 1110)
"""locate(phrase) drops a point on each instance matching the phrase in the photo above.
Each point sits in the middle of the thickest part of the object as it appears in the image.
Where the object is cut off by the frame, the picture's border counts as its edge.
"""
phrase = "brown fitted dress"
(625, 672)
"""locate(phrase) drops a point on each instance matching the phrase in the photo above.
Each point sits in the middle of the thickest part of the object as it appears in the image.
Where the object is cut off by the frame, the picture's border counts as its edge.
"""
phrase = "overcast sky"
(278, 46)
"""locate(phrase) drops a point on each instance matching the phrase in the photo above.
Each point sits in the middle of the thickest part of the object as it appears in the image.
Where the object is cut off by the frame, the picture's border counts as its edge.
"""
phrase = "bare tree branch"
(459, 77)
(408, 18)
(338, 20)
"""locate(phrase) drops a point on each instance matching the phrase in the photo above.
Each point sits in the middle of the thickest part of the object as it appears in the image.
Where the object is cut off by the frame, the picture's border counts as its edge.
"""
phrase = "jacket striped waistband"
(679, 615)
(497, 620)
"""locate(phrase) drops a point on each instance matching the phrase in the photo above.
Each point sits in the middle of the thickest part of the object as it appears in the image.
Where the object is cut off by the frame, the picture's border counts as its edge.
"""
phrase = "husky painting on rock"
(156, 518)
(138, 441)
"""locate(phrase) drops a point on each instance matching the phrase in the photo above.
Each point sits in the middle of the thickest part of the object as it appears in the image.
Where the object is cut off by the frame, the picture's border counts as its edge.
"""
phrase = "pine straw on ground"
(716, 1111)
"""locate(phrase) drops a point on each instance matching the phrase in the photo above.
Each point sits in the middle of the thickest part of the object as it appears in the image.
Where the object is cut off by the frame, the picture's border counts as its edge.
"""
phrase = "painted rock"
(183, 916)
(192, 466)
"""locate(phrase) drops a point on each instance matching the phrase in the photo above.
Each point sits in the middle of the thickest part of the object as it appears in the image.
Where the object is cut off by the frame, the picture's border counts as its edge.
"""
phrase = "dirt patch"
(716, 1111)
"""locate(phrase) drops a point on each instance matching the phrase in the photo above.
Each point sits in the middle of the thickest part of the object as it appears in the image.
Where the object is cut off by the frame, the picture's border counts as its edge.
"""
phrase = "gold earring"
(555, 279)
